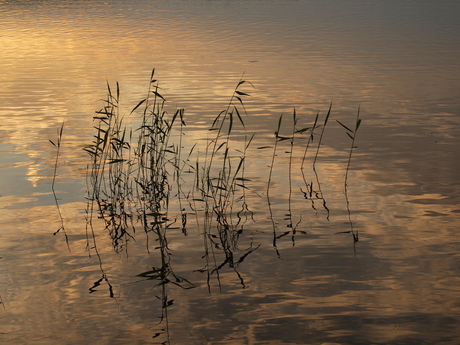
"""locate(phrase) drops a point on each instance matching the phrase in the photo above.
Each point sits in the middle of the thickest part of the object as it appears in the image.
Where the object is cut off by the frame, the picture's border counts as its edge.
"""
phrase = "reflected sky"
(396, 60)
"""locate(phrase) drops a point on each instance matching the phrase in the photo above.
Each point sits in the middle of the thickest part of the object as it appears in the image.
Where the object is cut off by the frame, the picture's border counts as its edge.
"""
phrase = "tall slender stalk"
(291, 153)
(57, 145)
(277, 139)
(320, 192)
(352, 135)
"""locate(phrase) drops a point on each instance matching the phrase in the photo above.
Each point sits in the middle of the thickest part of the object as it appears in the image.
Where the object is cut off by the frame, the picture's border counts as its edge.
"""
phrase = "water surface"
(397, 61)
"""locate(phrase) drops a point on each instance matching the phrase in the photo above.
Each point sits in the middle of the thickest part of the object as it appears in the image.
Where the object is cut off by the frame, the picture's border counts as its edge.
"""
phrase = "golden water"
(396, 60)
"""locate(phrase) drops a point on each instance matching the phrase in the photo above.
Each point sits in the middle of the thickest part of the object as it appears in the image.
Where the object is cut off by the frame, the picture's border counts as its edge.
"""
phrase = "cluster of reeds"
(129, 177)
(135, 173)
(308, 190)
(219, 193)
(311, 189)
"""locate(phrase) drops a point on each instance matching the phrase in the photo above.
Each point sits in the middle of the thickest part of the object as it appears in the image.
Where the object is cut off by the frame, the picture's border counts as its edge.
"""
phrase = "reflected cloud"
(400, 63)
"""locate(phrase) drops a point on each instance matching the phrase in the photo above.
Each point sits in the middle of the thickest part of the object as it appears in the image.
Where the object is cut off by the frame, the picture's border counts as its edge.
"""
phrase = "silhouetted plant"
(57, 145)
(352, 135)
(134, 176)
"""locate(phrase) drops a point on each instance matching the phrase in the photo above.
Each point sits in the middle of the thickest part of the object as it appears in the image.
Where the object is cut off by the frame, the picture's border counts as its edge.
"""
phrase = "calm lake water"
(289, 269)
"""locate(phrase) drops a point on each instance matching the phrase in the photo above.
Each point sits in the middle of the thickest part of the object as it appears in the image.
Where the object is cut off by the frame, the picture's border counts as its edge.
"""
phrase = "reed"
(270, 175)
(351, 133)
(57, 145)
(319, 193)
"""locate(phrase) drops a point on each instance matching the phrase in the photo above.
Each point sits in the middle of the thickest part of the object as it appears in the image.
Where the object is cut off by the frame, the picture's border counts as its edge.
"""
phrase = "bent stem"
(57, 145)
